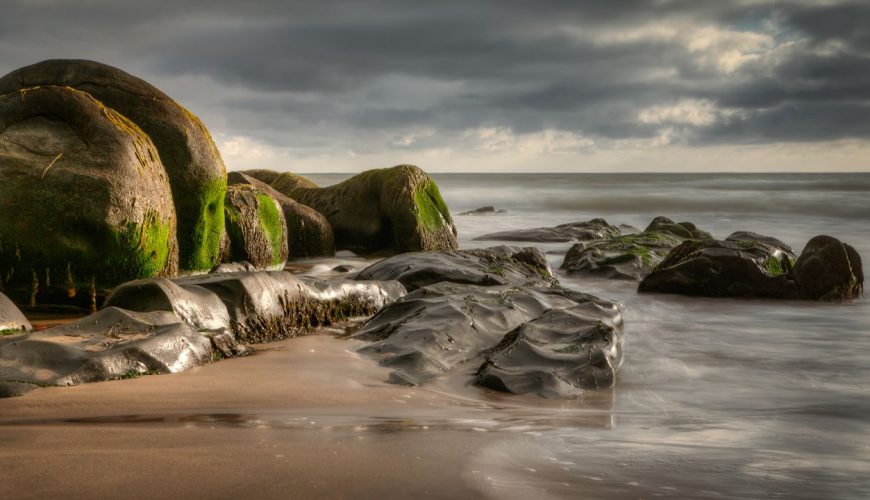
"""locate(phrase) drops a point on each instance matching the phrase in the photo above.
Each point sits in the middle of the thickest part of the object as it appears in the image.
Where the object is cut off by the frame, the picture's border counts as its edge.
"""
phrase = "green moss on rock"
(256, 227)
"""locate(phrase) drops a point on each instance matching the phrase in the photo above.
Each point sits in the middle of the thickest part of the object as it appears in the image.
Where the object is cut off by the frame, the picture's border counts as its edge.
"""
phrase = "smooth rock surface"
(12, 320)
(829, 269)
(256, 227)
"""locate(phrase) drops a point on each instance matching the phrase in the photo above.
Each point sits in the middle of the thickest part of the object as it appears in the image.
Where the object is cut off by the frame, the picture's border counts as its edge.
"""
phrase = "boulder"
(549, 341)
(743, 265)
(110, 344)
(194, 166)
(11, 319)
(630, 256)
(503, 265)
(487, 210)
(256, 227)
(594, 229)
(309, 234)
(396, 209)
(87, 202)
(829, 269)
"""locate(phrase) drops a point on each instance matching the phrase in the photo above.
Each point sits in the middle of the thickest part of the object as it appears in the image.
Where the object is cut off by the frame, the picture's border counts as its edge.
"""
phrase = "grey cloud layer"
(311, 75)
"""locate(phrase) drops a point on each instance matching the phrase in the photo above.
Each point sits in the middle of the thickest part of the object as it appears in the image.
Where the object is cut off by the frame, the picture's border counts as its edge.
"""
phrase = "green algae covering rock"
(188, 153)
(256, 227)
(86, 203)
(398, 209)
(309, 234)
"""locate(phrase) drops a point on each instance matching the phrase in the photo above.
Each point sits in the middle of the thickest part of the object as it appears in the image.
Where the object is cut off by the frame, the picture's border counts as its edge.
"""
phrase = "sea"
(716, 398)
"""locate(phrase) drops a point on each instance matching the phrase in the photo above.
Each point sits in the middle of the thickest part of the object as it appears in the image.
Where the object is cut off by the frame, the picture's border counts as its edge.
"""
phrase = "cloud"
(291, 83)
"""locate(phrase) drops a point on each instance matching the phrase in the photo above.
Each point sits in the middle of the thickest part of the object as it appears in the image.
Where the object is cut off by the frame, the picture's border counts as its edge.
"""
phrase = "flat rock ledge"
(515, 331)
(164, 325)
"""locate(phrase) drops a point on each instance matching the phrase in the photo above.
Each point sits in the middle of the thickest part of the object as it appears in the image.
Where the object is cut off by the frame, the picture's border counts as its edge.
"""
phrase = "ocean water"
(717, 398)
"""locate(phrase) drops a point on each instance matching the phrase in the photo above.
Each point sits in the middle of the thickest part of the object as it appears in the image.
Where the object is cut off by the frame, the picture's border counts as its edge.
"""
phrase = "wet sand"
(302, 418)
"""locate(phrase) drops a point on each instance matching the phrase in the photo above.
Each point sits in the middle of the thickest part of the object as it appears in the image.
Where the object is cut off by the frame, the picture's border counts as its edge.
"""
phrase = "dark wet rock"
(256, 227)
(265, 306)
(829, 269)
(397, 209)
(503, 265)
(575, 338)
(487, 210)
(110, 344)
(194, 166)
(594, 229)
(630, 256)
(309, 234)
(12, 320)
(743, 265)
(344, 268)
(86, 202)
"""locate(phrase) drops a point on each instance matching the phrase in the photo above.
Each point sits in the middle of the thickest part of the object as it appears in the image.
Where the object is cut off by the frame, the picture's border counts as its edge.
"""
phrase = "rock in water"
(829, 269)
(503, 265)
(487, 210)
(309, 234)
(594, 229)
(743, 265)
(11, 319)
(630, 256)
(523, 331)
(86, 201)
(256, 227)
(188, 153)
(398, 209)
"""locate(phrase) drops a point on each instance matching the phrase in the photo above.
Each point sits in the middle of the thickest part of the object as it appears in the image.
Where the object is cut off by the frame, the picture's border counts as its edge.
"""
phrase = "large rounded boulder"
(188, 153)
(309, 234)
(829, 269)
(395, 209)
(85, 201)
(256, 227)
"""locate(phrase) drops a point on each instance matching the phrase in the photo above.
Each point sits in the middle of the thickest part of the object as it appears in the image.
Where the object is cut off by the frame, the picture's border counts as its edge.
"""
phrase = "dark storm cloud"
(313, 73)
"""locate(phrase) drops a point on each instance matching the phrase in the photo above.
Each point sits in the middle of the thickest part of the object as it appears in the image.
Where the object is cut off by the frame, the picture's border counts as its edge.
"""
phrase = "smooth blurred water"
(716, 398)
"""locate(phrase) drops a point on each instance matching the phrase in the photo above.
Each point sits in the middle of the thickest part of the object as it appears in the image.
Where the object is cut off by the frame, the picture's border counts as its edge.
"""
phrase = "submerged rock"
(523, 331)
(594, 229)
(256, 227)
(743, 265)
(85, 198)
(309, 234)
(630, 256)
(194, 166)
(11, 319)
(487, 210)
(829, 269)
(397, 209)
(503, 265)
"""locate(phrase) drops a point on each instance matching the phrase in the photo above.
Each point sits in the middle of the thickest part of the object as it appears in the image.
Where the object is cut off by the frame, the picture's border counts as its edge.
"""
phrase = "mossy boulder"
(829, 269)
(256, 227)
(86, 202)
(743, 265)
(188, 153)
(309, 234)
(630, 256)
(396, 209)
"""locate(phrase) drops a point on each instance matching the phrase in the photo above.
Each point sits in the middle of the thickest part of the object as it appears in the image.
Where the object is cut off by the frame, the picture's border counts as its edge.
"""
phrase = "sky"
(498, 86)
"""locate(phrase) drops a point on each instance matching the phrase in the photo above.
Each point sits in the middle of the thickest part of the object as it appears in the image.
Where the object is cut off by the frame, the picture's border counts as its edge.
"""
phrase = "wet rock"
(110, 344)
(256, 227)
(829, 269)
(575, 338)
(503, 265)
(630, 256)
(594, 229)
(11, 319)
(89, 199)
(309, 234)
(743, 265)
(194, 166)
(397, 209)
(487, 210)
